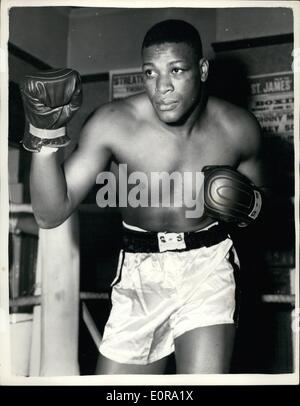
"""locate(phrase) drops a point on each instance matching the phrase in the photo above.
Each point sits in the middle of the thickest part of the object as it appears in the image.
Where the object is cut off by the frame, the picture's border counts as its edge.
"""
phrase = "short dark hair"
(174, 31)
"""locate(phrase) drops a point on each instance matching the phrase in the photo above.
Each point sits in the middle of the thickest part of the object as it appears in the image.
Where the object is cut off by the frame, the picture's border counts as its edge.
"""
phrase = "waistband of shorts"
(138, 240)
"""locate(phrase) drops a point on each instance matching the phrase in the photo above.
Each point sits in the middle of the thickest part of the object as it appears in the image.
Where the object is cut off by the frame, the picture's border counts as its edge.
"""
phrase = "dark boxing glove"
(50, 99)
(230, 196)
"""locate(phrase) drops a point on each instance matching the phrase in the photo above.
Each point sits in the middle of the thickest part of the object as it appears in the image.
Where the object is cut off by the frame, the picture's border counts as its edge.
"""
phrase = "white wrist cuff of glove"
(47, 134)
(47, 150)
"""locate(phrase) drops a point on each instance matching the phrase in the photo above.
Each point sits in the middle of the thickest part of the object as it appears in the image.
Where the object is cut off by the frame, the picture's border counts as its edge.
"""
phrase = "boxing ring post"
(53, 347)
(58, 258)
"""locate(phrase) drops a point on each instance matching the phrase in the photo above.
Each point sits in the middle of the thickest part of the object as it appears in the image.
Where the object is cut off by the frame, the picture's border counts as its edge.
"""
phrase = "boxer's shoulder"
(126, 111)
(231, 115)
(112, 122)
(240, 126)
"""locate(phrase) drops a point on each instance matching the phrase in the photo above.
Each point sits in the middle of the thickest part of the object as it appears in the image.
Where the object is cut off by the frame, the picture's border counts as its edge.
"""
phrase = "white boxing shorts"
(158, 296)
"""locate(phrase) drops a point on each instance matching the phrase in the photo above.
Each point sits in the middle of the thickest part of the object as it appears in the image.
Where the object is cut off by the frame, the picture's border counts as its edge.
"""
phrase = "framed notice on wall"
(272, 102)
(126, 82)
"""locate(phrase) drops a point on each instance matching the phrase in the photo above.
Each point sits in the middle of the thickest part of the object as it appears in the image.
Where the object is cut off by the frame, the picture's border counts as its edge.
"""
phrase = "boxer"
(175, 286)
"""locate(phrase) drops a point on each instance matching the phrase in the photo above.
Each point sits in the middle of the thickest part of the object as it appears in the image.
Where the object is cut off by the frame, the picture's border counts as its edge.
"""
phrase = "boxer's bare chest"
(159, 169)
(153, 149)
(164, 174)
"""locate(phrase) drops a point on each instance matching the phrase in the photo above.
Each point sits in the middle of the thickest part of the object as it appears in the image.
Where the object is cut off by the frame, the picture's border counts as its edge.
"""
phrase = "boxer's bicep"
(252, 163)
(253, 168)
(90, 158)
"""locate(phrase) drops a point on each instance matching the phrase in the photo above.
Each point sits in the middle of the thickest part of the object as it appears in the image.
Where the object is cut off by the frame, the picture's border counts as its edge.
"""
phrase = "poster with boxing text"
(272, 102)
(123, 83)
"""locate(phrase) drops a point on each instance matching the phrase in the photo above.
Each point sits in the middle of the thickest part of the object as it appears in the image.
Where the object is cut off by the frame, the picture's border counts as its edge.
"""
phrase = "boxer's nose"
(164, 84)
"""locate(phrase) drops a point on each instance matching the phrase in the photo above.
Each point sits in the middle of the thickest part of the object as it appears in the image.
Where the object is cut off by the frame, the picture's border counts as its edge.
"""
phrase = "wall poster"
(272, 102)
(125, 82)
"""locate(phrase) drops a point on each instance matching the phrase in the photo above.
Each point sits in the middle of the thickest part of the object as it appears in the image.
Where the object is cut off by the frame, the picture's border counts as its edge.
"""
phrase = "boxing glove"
(230, 196)
(50, 99)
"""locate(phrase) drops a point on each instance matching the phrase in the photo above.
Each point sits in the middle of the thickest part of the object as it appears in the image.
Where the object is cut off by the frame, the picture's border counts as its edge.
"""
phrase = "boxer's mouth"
(166, 105)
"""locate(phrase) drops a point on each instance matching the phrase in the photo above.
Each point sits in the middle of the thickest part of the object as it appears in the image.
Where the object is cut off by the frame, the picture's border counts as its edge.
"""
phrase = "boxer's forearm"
(49, 197)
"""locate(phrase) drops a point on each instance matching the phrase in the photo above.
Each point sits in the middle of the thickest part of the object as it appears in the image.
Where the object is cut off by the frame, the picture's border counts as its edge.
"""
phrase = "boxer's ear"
(204, 68)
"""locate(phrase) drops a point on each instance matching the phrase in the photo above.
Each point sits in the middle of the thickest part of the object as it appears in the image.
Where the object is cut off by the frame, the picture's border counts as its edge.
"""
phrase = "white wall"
(243, 23)
(104, 39)
(41, 31)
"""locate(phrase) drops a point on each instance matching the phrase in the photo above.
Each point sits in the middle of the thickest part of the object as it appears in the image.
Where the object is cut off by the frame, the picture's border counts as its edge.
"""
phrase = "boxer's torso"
(144, 145)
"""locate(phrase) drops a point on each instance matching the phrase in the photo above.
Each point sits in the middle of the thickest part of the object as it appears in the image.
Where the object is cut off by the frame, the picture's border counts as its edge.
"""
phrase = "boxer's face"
(172, 78)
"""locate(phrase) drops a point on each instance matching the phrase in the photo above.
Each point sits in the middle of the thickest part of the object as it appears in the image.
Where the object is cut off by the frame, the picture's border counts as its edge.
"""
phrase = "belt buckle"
(170, 241)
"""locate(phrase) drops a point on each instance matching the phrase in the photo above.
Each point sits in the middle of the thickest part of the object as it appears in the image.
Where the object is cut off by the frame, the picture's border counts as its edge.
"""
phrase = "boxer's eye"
(149, 73)
(177, 71)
